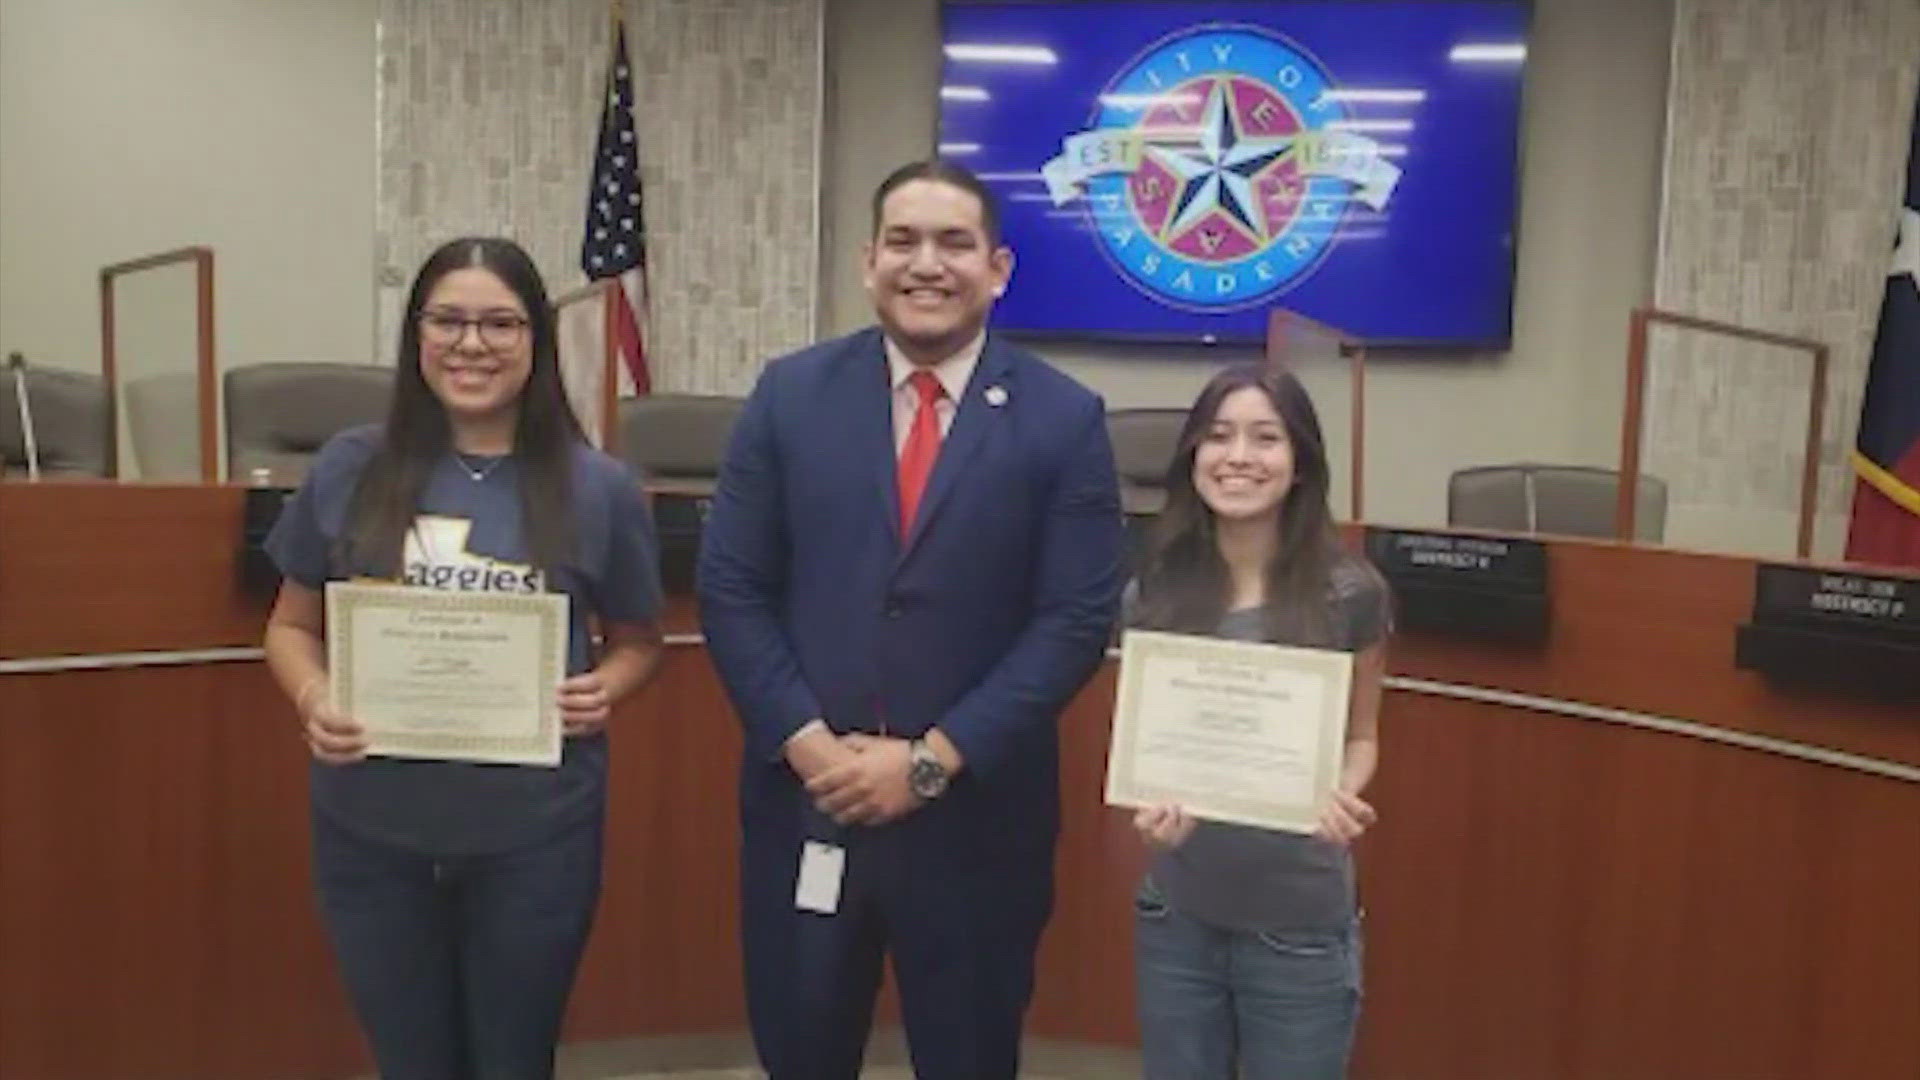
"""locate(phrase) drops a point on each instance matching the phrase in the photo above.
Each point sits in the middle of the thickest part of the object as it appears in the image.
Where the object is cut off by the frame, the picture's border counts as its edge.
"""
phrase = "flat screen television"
(1173, 170)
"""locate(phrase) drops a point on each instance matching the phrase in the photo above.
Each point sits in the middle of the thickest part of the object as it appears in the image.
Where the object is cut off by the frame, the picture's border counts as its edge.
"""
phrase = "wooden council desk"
(1618, 857)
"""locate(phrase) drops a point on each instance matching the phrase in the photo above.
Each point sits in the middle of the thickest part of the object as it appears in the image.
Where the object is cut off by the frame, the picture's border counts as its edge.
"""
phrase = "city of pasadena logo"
(1217, 168)
(436, 557)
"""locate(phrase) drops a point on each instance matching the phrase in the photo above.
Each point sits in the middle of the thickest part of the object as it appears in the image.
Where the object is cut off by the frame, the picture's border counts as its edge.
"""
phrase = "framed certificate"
(455, 676)
(1229, 730)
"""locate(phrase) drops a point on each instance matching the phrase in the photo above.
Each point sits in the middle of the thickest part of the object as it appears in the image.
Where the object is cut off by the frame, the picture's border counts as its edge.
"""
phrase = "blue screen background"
(1434, 267)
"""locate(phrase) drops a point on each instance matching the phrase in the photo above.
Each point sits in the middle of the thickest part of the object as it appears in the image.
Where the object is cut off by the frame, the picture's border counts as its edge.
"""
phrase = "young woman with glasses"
(458, 896)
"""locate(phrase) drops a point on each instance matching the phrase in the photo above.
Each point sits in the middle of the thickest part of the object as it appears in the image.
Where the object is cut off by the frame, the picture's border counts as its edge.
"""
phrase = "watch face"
(927, 778)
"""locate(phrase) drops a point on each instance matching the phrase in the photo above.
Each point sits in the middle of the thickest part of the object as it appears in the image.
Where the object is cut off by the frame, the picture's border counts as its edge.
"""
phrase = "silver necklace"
(481, 473)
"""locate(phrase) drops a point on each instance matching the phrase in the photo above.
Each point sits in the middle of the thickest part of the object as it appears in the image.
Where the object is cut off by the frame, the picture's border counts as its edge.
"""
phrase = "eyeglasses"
(499, 330)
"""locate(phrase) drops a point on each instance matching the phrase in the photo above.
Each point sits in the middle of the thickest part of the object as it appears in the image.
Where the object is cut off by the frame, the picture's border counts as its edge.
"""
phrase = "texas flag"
(1886, 501)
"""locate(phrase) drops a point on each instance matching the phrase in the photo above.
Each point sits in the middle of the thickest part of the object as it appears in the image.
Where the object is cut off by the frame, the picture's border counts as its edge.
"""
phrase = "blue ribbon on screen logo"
(1217, 170)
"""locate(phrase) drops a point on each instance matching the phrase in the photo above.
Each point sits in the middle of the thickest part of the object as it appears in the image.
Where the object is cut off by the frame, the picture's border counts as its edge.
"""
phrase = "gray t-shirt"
(467, 537)
(1242, 878)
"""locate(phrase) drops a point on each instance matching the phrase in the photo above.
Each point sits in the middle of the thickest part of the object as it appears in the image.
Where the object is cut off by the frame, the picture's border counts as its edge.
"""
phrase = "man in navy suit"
(912, 563)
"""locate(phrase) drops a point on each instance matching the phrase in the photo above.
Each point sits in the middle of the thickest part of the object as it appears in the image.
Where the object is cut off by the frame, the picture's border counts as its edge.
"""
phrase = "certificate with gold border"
(450, 676)
(1230, 731)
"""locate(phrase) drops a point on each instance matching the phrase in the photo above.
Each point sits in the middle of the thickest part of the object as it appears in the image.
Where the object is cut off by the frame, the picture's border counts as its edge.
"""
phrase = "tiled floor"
(755, 1074)
(703, 1074)
(727, 1057)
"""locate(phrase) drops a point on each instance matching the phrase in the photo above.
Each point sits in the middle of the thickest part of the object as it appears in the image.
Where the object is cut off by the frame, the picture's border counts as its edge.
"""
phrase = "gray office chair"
(676, 442)
(1561, 500)
(678, 439)
(69, 424)
(1143, 445)
(279, 415)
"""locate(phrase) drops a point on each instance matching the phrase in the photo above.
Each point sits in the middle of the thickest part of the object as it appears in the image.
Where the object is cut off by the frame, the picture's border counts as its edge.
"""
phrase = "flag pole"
(609, 333)
(617, 10)
(641, 322)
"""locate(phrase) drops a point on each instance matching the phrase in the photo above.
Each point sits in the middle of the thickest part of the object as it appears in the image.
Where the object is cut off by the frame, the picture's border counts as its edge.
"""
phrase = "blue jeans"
(1217, 1004)
(459, 968)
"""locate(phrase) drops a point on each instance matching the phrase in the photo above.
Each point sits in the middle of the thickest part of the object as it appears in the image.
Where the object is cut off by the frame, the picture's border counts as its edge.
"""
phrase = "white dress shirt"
(953, 373)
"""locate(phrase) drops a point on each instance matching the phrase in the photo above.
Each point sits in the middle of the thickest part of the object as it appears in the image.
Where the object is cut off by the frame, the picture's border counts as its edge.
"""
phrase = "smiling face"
(932, 269)
(1243, 463)
(476, 352)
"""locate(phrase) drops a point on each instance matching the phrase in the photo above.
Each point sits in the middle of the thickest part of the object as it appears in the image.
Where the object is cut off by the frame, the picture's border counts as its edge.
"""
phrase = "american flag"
(614, 242)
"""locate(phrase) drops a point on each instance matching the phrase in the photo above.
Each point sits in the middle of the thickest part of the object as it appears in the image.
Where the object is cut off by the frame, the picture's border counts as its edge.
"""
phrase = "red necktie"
(923, 445)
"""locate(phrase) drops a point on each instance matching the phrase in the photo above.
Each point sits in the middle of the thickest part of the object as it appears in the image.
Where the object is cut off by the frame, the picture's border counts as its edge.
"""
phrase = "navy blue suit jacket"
(984, 621)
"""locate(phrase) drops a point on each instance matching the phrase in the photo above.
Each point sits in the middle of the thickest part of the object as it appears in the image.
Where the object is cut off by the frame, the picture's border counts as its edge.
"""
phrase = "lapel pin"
(996, 396)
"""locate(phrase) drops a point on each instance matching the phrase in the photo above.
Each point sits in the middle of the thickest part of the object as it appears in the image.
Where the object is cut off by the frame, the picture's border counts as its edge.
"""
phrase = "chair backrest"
(1143, 445)
(69, 423)
(1561, 500)
(279, 415)
(677, 437)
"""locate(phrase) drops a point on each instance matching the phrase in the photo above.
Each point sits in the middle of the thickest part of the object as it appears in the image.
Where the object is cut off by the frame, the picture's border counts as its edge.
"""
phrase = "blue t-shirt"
(467, 537)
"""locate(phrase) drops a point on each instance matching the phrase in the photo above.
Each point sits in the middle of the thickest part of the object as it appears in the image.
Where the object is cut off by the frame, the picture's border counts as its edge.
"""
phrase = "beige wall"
(1592, 137)
(129, 127)
(320, 147)
(1788, 150)
(133, 126)
(290, 206)
(489, 109)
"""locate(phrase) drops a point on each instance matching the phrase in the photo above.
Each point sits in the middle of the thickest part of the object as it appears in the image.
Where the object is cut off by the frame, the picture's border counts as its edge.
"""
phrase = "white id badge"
(821, 866)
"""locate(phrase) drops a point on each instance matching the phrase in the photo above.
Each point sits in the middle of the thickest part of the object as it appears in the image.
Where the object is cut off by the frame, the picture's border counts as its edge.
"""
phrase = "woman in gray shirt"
(1247, 940)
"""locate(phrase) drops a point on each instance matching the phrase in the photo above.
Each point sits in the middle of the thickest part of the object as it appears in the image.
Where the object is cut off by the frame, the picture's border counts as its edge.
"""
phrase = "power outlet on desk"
(1844, 632)
(1484, 587)
(261, 508)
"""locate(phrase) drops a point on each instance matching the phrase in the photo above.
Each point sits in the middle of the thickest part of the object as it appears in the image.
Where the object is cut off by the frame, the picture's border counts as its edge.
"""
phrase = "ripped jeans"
(1216, 1004)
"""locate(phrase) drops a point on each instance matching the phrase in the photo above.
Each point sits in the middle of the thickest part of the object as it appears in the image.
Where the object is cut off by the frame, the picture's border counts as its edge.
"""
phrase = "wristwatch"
(925, 775)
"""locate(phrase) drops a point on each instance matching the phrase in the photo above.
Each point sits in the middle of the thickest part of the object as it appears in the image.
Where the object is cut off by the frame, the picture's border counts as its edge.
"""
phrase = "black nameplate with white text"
(1479, 586)
(1496, 562)
(1860, 603)
(1841, 630)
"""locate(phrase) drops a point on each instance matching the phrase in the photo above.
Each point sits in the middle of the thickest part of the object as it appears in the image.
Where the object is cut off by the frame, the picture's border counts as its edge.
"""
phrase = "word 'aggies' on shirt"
(436, 557)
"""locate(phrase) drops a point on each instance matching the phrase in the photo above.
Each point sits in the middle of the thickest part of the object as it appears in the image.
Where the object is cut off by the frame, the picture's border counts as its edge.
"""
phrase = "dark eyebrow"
(483, 313)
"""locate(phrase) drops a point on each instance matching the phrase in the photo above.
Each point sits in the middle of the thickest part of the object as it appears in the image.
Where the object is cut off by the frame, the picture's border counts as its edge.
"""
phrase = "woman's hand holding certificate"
(584, 704)
(332, 738)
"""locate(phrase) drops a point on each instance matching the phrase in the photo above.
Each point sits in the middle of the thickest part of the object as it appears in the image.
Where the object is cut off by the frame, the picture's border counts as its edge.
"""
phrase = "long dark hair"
(419, 436)
(1184, 583)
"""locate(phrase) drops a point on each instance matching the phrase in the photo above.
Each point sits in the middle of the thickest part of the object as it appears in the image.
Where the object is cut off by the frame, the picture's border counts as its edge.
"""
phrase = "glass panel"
(1726, 433)
(156, 360)
(582, 344)
(1313, 351)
